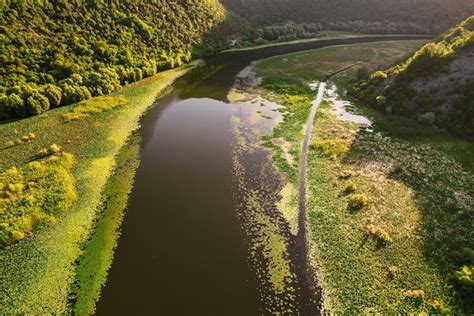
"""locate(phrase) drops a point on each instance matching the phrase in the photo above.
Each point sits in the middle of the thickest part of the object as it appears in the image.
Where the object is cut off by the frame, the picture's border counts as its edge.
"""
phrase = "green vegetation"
(33, 195)
(93, 106)
(31, 282)
(411, 184)
(365, 16)
(96, 259)
(434, 85)
(62, 53)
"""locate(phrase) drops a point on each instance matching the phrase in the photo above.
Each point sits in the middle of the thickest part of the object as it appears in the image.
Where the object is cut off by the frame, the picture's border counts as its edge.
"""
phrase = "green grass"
(399, 250)
(326, 36)
(94, 106)
(297, 69)
(412, 189)
(95, 261)
(37, 272)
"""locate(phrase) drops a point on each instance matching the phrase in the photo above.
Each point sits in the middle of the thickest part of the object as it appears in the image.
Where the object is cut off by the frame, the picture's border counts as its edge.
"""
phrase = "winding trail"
(311, 295)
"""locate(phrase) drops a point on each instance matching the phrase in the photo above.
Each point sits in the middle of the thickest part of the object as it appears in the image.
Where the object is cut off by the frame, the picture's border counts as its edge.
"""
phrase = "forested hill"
(428, 16)
(57, 52)
(435, 85)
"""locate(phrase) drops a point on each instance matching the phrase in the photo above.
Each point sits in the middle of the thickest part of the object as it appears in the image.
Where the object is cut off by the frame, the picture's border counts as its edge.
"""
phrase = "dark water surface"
(181, 251)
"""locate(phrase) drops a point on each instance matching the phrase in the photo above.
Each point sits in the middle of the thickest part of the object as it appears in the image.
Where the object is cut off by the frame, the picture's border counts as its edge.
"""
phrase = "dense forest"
(56, 53)
(61, 52)
(428, 16)
(435, 85)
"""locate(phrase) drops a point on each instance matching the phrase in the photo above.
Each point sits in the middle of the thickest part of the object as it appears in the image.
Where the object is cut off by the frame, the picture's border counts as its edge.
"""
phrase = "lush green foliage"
(33, 195)
(368, 16)
(450, 106)
(58, 53)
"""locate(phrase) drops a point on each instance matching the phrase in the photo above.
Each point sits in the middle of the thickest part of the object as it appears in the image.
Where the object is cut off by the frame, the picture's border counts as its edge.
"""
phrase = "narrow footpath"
(311, 293)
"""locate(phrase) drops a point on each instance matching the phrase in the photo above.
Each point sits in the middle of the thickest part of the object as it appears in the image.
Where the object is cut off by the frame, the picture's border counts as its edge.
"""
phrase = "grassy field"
(389, 212)
(39, 273)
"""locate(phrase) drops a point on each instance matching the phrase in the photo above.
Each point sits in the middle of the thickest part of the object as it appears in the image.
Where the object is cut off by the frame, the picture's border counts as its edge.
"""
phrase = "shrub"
(415, 293)
(73, 94)
(53, 149)
(362, 73)
(350, 187)
(378, 76)
(465, 276)
(441, 307)
(15, 106)
(427, 118)
(53, 93)
(358, 201)
(378, 233)
(10, 143)
(37, 104)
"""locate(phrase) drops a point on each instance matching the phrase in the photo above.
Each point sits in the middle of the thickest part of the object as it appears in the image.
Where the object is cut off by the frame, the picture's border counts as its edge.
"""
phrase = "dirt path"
(311, 296)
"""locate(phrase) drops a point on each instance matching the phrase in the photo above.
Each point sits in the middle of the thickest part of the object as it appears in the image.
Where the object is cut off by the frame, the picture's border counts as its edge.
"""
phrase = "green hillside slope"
(435, 85)
(60, 52)
(430, 16)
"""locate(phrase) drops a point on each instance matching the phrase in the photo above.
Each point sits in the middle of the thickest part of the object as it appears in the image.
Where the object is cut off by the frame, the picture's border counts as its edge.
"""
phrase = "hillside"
(407, 16)
(60, 52)
(435, 85)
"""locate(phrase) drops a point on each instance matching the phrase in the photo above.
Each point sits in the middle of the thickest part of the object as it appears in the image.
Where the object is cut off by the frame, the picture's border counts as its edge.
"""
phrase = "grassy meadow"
(93, 132)
(389, 211)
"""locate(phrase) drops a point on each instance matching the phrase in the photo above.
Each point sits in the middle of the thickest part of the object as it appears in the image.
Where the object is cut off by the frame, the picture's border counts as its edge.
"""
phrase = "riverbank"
(39, 272)
(373, 220)
(326, 36)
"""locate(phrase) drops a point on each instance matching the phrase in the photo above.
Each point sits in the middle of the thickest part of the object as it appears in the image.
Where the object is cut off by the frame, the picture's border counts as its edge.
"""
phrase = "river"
(183, 248)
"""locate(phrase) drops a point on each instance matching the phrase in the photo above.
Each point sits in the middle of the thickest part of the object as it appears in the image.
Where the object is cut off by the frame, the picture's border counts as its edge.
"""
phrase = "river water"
(183, 248)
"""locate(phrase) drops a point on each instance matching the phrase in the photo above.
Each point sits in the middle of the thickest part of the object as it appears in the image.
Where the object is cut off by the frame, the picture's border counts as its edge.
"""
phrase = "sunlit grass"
(34, 283)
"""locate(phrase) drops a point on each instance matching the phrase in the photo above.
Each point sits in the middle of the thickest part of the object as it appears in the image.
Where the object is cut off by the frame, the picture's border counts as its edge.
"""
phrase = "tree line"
(58, 52)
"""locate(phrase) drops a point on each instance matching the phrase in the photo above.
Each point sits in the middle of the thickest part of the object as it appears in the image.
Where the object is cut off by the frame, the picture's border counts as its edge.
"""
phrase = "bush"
(358, 201)
(350, 187)
(53, 93)
(14, 105)
(73, 94)
(378, 233)
(465, 276)
(37, 104)
(378, 76)
(363, 73)
(427, 118)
